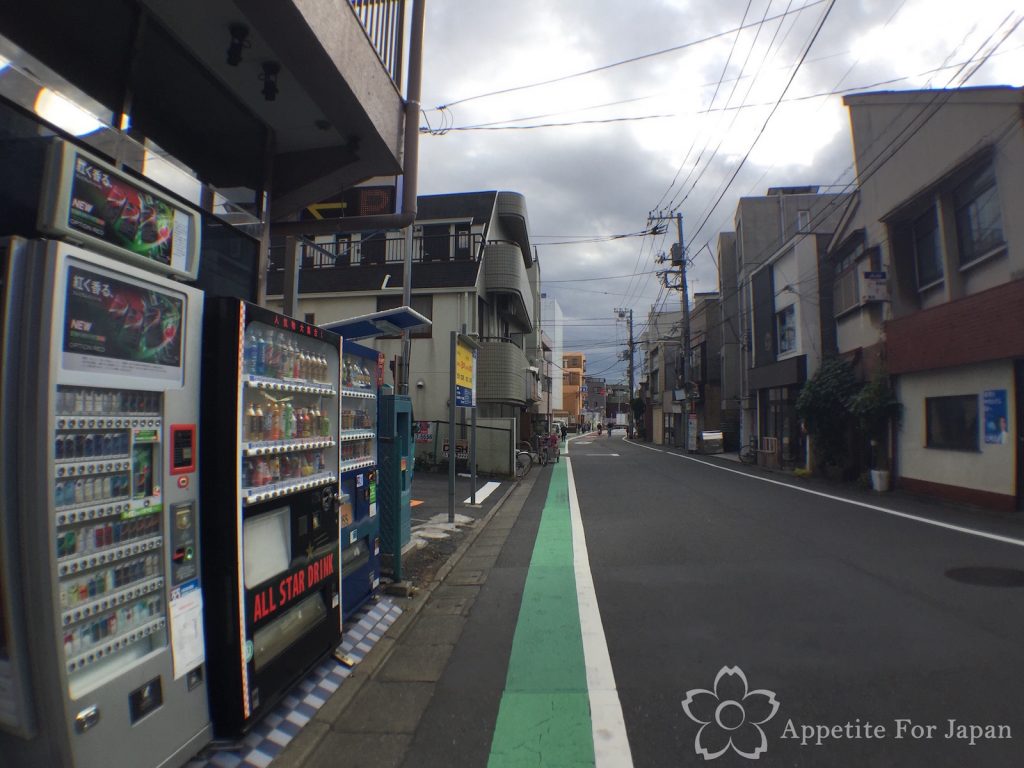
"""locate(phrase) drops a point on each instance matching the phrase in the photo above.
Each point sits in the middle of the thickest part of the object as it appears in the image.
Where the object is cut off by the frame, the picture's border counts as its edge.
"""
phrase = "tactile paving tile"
(272, 734)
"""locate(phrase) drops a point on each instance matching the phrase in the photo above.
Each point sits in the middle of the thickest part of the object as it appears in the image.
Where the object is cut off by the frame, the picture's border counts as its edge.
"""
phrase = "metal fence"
(381, 249)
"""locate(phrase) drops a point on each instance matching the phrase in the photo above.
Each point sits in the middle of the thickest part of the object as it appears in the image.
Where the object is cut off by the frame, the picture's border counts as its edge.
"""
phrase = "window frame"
(983, 179)
(780, 329)
(967, 442)
(932, 213)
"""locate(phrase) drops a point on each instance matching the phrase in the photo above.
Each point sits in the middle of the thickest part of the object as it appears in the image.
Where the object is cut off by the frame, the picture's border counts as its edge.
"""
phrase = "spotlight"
(239, 40)
(269, 78)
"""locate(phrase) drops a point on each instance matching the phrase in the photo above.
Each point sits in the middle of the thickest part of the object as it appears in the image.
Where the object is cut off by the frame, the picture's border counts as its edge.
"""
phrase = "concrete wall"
(992, 468)
(551, 322)
(495, 447)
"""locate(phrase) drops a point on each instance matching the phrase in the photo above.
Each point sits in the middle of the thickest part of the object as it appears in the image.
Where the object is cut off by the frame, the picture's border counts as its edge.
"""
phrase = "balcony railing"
(384, 22)
(382, 250)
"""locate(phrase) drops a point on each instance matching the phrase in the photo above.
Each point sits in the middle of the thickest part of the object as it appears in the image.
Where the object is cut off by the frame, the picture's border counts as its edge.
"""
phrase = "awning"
(389, 322)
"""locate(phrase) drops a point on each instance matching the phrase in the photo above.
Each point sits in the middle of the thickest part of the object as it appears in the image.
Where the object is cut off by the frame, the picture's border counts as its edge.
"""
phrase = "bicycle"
(748, 453)
(527, 455)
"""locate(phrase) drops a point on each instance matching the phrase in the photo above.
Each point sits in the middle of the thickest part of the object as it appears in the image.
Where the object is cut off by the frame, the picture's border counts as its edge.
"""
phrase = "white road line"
(483, 492)
(864, 504)
(611, 745)
(600, 454)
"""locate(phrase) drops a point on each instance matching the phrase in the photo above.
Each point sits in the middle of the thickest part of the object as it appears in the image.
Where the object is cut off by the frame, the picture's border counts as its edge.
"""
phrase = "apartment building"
(929, 282)
(473, 271)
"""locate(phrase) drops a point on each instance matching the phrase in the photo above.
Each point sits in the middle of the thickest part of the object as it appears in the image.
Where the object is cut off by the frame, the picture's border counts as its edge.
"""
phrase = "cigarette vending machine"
(270, 416)
(101, 627)
(362, 372)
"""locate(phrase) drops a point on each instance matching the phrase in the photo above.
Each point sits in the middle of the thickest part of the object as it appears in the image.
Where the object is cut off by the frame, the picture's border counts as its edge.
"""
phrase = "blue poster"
(997, 430)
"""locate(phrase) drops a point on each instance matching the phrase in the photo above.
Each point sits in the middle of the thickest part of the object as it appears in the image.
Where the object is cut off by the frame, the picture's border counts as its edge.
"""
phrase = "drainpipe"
(410, 167)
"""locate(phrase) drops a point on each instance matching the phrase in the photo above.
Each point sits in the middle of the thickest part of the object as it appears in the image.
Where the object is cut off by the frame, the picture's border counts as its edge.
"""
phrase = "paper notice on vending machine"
(186, 615)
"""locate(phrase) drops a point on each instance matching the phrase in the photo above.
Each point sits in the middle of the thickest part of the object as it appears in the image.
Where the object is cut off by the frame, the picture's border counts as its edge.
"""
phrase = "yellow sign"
(465, 375)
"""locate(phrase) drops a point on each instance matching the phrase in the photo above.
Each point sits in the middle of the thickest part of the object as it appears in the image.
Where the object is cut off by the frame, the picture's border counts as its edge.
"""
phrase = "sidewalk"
(371, 719)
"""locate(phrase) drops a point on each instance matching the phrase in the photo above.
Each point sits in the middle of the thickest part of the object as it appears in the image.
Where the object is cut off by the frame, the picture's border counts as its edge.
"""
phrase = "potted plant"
(876, 408)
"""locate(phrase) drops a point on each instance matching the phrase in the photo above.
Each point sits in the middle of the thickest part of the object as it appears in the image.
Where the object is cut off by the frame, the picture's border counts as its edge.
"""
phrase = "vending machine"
(270, 417)
(101, 624)
(362, 371)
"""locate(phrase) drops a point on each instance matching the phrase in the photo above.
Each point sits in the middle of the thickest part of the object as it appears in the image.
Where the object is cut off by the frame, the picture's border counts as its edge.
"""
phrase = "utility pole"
(679, 259)
(624, 313)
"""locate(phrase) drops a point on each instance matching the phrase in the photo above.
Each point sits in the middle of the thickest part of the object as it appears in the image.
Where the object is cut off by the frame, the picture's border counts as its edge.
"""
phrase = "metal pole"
(410, 165)
(291, 276)
(472, 457)
(451, 430)
(632, 379)
(685, 301)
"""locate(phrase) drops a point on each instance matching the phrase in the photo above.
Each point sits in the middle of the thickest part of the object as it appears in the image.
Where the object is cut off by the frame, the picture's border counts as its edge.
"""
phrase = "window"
(803, 221)
(785, 322)
(951, 423)
(422, 303)
(310, 318)
(979, 224)
(927, 254)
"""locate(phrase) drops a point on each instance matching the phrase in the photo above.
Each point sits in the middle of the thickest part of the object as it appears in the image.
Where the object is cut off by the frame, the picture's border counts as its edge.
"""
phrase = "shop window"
(927, 253)
(951, 423)
(979, 224)
(422, 303)
(785, 321)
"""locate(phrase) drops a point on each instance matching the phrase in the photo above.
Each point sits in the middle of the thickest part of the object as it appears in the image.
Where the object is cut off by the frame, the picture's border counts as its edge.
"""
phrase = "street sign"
(465, 375)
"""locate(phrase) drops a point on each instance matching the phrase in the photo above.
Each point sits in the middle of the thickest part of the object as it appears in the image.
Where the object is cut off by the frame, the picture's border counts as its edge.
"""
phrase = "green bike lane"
(544, 717)
(529, 682)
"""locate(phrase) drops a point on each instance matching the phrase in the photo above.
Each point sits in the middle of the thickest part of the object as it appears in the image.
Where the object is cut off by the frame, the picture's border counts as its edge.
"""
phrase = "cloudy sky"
(594, 154)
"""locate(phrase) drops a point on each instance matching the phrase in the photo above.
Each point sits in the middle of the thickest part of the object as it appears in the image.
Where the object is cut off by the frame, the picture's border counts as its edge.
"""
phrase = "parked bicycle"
(527, 455)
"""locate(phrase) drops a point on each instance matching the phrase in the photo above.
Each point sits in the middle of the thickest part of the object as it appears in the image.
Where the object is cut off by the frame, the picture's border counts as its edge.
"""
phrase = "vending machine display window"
(358, 436)
(110, 535)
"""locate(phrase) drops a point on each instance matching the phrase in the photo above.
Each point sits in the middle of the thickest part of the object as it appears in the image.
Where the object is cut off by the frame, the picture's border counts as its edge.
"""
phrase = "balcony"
(505, 274)
(363, 263)
(502, 368)
(382, 21)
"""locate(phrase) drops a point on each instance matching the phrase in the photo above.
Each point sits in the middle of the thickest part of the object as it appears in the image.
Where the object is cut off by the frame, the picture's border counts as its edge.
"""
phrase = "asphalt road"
(862, 625)
(846, 614)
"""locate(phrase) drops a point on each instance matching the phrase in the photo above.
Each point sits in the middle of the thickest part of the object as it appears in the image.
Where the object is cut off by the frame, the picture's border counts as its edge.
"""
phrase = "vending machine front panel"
(271, 398)
(103, 516)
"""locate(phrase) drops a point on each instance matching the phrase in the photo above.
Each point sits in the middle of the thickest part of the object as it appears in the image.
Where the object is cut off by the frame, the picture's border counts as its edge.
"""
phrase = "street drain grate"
(982, 576)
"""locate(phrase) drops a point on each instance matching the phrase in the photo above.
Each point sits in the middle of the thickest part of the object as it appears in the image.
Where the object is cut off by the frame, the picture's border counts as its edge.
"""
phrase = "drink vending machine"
(271, 388)
(362, 372)
(99, 523)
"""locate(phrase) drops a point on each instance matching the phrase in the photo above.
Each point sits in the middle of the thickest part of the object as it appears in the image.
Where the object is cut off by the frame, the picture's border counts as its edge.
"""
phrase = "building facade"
(930, 283)
(574, 372)
(473, 271)
(763, 226)
(660, 343)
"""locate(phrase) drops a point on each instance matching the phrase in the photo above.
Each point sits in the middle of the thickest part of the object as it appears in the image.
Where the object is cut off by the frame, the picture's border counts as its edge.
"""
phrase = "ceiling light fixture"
(239, 40)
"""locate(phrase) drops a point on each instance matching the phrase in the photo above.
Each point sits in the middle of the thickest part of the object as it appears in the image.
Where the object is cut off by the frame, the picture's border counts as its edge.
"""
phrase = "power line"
(604, 67)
